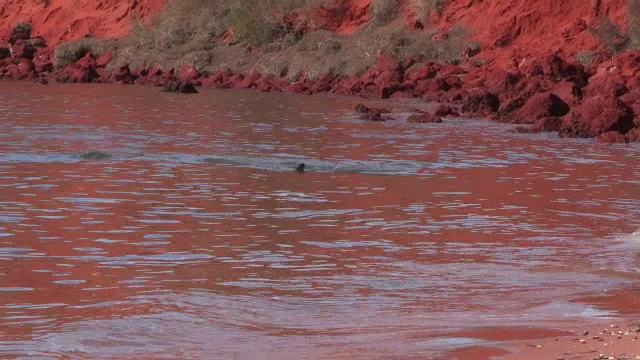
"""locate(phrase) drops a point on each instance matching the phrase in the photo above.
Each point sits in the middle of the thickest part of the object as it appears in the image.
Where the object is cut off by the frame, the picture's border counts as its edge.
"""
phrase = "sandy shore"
(617, 341)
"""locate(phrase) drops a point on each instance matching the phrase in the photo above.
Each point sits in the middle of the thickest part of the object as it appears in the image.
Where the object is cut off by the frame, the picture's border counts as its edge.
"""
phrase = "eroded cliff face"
(514, 29)
(523, 28)
(59, 20)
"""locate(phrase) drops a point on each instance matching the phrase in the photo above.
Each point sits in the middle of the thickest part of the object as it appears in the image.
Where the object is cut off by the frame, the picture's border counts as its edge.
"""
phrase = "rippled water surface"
(196, 239)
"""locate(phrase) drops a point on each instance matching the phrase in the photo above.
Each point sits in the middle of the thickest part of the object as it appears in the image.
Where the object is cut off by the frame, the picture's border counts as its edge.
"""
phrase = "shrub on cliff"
(633, 13)
(250, 25)
(21, 30)
(71, 51)
(424, 8)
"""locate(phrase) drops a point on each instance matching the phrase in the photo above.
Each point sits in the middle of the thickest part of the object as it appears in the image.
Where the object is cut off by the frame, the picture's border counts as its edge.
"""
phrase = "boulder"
(371, 114)
(103, 60)
(542, 105)
(633, 135)
(179, 87)
(611, 137)
(597, 115)
(481, 101)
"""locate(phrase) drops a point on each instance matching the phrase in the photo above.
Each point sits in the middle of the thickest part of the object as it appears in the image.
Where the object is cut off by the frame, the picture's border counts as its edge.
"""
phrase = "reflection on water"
(197, 239)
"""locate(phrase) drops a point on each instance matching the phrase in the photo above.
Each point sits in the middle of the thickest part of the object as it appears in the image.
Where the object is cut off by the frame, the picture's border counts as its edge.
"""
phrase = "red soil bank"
(59, 20)
(528, 75)
(520, 30)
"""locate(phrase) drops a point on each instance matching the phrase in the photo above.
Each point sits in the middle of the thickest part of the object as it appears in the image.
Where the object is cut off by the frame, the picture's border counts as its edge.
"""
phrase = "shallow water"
(196, 239)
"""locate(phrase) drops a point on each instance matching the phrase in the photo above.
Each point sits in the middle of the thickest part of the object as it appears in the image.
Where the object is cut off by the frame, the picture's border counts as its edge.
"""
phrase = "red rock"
(371, 114)
(450, 69)
(323, 84)
(597, 115)
(482, 102)
(540, 106)
(568, 91)
(551, 123)
(427, 71)
(633, 135)
(103, 60)
(180, 87)
(556, 67)
(424, 118)
(77, 73)
(87, 61)
(606, 84)
(245, 81)
(123, 75)
(189, 74)
(219, 79)
(23, 50)
(25, 66)
(611, 137)
(444, 110)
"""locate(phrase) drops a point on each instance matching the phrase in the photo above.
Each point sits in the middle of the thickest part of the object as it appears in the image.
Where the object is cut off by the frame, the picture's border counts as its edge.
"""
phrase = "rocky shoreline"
(548, 93)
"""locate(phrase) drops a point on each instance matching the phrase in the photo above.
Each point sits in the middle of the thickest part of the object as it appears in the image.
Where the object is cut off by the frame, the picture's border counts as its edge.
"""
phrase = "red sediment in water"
(625, 301)
(528, 74)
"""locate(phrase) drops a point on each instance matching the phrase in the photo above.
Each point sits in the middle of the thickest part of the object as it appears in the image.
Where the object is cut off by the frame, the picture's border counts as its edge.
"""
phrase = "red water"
(196, 239)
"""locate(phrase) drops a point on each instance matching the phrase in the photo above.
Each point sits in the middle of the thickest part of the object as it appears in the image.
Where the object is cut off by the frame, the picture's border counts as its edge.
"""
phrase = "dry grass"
(424, 8)
(610, 35)
(323, 52)
(189, 32)
(586, 57)
(189, 29)
(384, 11)
(72, 51)
(633, 12)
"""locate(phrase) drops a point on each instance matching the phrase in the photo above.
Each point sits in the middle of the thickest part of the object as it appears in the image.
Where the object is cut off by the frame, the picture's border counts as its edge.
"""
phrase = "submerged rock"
(95, 155)
(370, 113)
